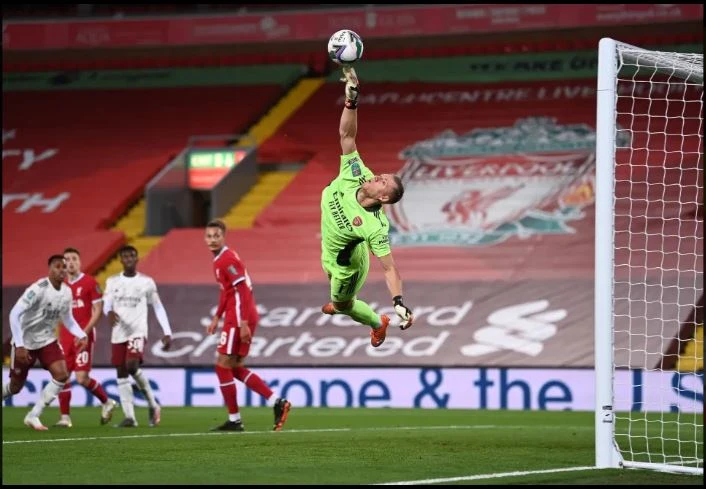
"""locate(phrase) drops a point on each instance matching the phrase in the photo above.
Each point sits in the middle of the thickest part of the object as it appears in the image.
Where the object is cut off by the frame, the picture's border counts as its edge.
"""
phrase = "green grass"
(318, 446)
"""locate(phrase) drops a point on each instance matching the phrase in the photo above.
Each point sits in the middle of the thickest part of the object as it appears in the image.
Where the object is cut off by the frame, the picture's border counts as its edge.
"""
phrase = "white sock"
(50, 391)
(6, 391)
(273, 398)
(126, 399)
(144, 385)
(234, 417)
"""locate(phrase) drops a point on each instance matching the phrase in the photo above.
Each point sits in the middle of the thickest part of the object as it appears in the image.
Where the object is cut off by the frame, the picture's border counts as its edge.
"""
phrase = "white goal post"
(648, 256)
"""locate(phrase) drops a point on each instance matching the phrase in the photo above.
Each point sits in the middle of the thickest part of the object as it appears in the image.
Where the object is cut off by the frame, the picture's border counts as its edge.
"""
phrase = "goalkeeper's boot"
(281, 408)
(377, 335)
(230, 426)
(328, 309)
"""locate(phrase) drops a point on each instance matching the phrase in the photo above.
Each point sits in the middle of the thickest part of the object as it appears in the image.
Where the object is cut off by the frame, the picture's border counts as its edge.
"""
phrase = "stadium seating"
(289, 225)
(100, 148)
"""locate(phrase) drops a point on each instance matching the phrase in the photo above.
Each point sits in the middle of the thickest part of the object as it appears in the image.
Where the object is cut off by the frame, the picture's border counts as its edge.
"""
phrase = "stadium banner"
(523, 67)
(466, 388)
(528, 323)
(319, 25)
(280, 74)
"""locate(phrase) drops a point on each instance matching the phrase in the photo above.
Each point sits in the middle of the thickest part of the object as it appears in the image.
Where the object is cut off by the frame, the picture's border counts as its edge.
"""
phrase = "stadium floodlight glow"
(649, 249)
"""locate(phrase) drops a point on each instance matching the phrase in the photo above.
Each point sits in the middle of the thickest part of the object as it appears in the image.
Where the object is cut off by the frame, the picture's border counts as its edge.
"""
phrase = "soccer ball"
(345, 47)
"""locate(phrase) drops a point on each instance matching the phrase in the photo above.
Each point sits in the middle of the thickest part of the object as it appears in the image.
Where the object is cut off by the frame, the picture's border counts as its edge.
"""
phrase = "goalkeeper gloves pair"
(405, 314)
(351, 79)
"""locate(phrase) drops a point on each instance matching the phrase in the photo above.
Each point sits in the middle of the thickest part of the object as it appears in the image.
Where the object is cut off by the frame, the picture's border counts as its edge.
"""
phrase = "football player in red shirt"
(241, 318)
(86, 308)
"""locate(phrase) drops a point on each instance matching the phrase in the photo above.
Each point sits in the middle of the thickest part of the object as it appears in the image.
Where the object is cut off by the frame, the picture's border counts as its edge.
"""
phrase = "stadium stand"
(396, 116)
(288, 225)
(100, 148)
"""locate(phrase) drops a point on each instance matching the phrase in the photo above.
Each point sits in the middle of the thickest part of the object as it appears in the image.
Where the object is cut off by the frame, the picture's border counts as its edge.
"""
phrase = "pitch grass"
(318, 446)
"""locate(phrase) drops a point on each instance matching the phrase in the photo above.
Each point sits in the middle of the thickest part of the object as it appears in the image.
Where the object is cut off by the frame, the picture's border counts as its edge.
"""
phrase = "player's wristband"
(397, 300)
(351, 104)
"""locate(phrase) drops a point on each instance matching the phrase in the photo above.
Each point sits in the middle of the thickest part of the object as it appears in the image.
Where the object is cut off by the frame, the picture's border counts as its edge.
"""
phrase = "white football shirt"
(44, 309)
(129, 297)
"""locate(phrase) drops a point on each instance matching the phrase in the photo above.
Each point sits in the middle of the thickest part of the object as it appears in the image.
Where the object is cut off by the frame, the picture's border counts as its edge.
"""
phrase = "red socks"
(225, 376)
(252, 381)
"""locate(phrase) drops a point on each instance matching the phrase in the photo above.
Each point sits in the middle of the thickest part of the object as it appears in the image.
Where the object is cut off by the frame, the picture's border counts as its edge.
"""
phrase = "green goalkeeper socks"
(363, 313)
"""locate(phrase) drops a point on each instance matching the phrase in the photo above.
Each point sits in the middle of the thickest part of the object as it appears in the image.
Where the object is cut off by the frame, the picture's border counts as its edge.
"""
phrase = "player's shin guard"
(255, 383)
(65, 399)
(144, 385)
(126, 399)
(363, 313)
(50, 391)
(227, 382)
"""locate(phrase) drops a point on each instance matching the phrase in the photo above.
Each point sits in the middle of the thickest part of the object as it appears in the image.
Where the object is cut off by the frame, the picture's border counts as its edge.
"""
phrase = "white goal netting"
(658, 256)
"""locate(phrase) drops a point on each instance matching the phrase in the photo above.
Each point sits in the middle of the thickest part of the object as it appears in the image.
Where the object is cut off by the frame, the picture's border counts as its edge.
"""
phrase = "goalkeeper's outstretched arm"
(394, 285)
(348, 128)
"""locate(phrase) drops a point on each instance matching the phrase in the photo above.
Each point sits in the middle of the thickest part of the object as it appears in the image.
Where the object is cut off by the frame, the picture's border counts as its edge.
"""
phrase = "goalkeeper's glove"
(352, 89)
(405, 314)
(349, 75)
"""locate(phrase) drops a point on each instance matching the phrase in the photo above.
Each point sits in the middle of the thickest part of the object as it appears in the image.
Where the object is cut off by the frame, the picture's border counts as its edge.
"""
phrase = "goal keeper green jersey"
(345, 224)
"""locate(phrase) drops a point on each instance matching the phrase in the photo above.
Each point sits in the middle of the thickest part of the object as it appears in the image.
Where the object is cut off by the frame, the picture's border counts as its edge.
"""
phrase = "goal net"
(649, 258)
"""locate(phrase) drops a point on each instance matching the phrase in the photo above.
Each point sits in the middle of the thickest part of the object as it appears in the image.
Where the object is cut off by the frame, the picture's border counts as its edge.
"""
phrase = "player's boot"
(155, 414)
(328, 309)
(107, 411)
(64, 422)
(34, 423)
(126, 423)
(377, 336)
(230, 426)
(281, 408)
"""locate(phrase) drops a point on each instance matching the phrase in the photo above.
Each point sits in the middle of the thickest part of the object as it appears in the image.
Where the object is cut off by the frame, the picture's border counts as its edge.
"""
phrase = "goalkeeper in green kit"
(353, 223)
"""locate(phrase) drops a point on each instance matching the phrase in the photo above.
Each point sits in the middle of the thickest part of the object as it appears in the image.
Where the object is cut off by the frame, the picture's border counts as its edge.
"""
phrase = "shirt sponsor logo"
(338, 214)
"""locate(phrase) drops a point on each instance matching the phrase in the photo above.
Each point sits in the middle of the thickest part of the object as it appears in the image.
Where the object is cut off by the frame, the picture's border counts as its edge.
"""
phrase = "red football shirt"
(85, 291)
(230, 272)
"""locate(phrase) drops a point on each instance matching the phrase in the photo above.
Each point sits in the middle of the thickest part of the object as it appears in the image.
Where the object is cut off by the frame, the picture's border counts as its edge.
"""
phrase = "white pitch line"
(320, 430)
(482, 476)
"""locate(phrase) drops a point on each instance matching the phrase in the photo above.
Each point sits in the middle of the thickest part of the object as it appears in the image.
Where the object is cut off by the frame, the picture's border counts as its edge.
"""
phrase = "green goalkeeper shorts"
(346, 282)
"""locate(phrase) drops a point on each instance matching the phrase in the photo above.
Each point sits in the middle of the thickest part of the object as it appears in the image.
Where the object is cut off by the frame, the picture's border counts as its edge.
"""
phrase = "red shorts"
(132, 348)
(75, 361)
(229, 342)
(46, 355)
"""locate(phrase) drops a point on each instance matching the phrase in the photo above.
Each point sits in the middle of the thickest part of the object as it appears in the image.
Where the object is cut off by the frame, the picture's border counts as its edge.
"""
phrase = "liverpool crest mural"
(494, 183)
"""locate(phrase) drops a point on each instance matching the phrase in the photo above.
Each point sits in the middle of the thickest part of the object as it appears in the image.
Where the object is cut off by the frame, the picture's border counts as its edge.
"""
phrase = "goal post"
(648, 253)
